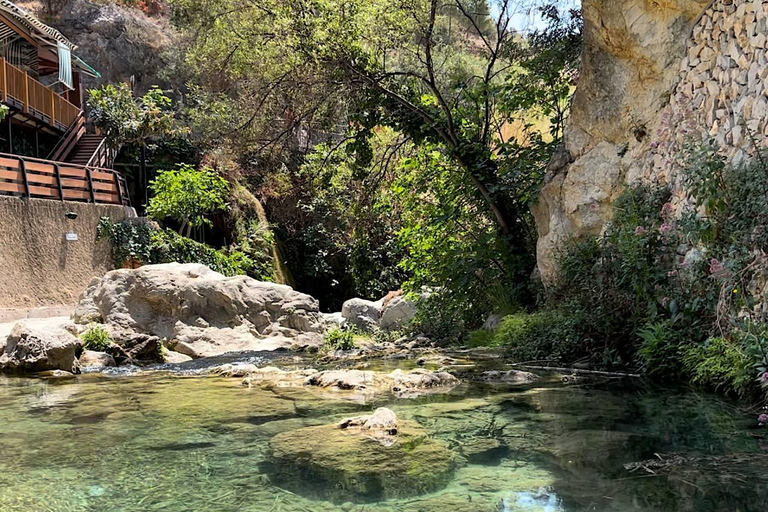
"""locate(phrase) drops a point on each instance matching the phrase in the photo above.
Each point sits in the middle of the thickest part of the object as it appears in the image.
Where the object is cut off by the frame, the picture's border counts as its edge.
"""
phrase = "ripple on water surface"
(175, 443)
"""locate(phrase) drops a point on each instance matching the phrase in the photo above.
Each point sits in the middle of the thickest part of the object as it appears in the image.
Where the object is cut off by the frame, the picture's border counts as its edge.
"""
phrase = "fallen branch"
(577, 371)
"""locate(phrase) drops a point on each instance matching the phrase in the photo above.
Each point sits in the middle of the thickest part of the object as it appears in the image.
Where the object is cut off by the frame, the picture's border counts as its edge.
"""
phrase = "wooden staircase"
(85, 149)
(82, 148)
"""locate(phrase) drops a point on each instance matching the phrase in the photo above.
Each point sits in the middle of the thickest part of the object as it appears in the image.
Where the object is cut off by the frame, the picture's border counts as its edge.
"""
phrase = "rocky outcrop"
(198, 312)
(40, 348)
(363, 314)
(120, 42)
(389, 313)
(630, 69)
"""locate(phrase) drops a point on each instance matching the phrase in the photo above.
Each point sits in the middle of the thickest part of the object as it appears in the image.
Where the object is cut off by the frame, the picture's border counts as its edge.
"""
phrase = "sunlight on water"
(165, 442)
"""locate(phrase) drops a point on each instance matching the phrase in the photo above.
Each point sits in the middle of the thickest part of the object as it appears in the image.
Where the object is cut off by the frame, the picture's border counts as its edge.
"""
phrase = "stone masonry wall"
(654, 74)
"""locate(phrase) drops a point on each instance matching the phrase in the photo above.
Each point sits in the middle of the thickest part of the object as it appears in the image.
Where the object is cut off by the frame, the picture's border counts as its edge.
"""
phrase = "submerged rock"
(349, 461)
(510, 377)
(201, 312)
(345, 379)
(273, 375)
(41, 348)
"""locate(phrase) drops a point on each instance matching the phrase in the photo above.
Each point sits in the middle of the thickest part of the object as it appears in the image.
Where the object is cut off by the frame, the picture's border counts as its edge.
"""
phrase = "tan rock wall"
(38, 265)
(653, 75)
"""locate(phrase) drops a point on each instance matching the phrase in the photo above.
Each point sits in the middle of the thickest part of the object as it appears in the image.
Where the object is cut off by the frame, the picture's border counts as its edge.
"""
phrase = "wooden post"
(3, 80)
(53, 108)
(26, 93)
(23, 166)
(58, 180)
(90, 184)
(119, 188)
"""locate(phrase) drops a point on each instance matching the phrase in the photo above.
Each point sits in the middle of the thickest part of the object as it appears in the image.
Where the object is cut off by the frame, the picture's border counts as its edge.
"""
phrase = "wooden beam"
(3, 80)
(26, 93)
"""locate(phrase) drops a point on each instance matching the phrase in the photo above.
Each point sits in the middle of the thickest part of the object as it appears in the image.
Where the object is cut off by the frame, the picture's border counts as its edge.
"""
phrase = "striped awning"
(35, 26)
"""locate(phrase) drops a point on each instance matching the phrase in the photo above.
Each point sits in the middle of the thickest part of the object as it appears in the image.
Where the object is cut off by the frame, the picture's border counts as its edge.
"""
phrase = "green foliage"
(339, 339)
(723, 364)
(662, 350)
(97, 338)
(128, 240)
(188, 196)
(124, 119)
(546, 335)
(428, 187)
(481, 338)
(168, 246)
(141, 243)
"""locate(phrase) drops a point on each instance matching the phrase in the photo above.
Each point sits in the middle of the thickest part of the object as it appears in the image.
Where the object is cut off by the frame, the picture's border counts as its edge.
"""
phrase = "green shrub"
(721, 364)
(96, 338)
(339, 339)
(551, 335)
(481, 338)
(662, 349)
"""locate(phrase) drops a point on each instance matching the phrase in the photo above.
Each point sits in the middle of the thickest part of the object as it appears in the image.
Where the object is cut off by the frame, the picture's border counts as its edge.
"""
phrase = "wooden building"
(46, 150)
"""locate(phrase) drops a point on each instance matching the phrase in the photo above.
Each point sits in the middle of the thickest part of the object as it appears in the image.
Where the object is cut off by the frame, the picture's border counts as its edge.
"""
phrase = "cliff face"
(654, 73)
(118, 41)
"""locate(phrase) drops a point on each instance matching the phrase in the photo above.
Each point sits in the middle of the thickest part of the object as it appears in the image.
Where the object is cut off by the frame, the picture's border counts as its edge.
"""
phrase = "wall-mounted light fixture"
(71, 215)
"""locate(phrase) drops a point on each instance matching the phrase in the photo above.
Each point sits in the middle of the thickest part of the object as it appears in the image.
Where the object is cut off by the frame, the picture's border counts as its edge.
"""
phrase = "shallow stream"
(173, 442)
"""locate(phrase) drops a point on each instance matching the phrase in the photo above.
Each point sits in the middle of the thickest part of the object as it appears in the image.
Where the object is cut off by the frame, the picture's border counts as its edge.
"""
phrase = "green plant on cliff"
(97, 338)
(188, 196)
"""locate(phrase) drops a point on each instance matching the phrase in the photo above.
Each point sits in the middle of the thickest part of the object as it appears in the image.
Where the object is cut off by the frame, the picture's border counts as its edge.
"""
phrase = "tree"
(188, 196)
(124, 119)
(293, 74)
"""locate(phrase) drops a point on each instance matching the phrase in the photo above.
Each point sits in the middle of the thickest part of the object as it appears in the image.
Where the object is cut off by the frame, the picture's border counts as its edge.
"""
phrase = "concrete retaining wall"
(40, 266)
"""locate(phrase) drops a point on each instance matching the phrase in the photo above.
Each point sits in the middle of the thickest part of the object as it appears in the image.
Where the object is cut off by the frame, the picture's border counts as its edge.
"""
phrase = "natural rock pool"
(172, 442)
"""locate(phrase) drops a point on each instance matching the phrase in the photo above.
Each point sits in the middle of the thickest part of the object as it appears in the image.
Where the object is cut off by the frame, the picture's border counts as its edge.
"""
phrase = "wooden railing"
(32, 177)
(30, 96)
(103, 157)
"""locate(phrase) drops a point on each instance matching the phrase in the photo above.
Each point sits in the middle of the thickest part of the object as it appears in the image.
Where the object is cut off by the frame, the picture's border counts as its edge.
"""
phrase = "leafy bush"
(662, 350)
(188, 196)
(129, 240)
(146, 244)
(549, 335)
(339, 339)
(168, 246)
(97, 338)
(723, 364)
(481, 338)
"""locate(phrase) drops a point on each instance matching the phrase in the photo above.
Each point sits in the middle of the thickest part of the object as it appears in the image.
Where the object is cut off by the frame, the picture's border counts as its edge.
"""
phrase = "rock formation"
(198, 312)
(120, 42)
(30, 349)
(653, 75)
(389, 313)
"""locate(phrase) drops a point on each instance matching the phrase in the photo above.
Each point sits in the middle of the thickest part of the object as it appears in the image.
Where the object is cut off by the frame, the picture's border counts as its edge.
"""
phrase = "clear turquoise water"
(171, 443)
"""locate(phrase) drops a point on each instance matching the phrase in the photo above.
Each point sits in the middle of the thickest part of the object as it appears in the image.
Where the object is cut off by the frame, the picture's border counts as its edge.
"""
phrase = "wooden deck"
(32, 177)
(23, 92)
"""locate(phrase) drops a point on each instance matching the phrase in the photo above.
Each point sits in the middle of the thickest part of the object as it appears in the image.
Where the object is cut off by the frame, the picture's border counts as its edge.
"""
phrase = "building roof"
(38, 29)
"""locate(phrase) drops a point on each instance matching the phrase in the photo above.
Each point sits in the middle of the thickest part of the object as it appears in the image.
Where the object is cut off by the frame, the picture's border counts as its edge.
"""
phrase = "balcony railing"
(33, 177)
(20, 90)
